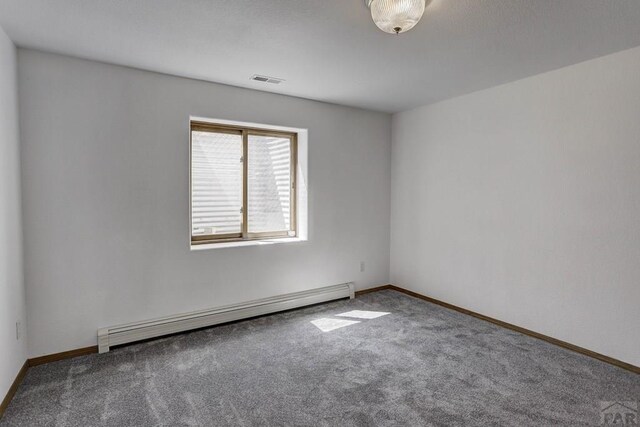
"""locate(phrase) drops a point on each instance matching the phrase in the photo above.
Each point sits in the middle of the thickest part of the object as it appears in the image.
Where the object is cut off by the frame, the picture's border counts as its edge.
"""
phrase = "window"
(243, 183)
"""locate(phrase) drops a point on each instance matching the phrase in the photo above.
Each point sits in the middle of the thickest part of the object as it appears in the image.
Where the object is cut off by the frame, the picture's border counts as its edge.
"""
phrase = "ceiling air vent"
(266, 79)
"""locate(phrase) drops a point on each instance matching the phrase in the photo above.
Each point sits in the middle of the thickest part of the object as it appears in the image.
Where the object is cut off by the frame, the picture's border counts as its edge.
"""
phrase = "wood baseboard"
(376, 289)
(40, 361)
(61, 356)
(14, 387)
(555, 341)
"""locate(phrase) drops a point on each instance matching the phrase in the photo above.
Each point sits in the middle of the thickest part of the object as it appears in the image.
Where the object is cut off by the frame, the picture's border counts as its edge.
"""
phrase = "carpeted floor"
(418, 365)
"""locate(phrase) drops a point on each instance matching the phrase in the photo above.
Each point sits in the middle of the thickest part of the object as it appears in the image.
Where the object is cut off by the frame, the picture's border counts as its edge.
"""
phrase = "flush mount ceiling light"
(396, 16)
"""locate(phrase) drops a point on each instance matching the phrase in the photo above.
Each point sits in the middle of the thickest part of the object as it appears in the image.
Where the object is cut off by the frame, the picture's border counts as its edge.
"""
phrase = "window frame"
(245, 132)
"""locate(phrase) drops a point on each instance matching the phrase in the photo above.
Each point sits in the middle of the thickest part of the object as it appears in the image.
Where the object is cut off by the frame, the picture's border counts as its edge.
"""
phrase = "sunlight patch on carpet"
(362, 314)
(327, 325)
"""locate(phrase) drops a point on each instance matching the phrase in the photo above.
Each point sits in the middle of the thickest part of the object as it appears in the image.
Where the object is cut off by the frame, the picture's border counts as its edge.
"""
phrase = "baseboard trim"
(63, 355)
(41, 361)
(376, 289)
(551, 340)
(14, 387)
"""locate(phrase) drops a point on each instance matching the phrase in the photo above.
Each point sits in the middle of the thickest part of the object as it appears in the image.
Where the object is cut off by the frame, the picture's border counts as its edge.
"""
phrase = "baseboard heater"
(124, 334)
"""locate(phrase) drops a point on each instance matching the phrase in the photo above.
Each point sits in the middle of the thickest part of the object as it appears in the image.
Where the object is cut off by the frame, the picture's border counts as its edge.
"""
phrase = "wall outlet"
(361, 266)
(17, 330)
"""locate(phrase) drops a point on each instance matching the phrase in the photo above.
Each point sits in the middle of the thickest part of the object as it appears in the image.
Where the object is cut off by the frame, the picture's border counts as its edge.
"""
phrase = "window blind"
(216, 183)
(269, 184)
(242, 183)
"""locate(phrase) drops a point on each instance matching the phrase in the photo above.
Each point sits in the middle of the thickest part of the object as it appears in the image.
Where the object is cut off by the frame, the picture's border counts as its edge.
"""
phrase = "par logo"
(619, 413)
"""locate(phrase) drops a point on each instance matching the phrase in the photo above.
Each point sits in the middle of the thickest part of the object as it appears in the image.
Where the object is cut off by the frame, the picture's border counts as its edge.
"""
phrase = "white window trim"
(243, 243)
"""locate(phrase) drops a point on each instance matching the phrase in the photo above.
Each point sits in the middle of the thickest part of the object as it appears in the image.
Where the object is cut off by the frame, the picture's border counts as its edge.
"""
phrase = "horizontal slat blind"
(216, 183)
(269, 184)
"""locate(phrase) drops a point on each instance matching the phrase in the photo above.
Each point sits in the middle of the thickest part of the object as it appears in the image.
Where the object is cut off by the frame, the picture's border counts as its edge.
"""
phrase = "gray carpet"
(419, 365)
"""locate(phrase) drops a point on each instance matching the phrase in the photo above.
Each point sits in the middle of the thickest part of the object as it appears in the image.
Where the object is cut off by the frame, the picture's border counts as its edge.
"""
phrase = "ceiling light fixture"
(396, 16)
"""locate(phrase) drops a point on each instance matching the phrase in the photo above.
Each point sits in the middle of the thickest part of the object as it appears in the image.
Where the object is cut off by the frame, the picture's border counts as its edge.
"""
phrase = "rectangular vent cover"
(266, 79)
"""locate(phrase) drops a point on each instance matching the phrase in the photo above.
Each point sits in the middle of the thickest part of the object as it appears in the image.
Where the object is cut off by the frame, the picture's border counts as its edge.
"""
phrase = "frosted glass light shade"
(397, 16)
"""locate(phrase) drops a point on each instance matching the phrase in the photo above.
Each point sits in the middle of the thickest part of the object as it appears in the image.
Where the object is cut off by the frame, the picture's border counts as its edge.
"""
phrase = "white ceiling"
(330, 50)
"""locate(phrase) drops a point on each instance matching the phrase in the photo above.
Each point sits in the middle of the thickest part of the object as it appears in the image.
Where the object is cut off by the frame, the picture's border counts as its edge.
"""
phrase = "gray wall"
(106, 204)
(522, 202)
(12, 302)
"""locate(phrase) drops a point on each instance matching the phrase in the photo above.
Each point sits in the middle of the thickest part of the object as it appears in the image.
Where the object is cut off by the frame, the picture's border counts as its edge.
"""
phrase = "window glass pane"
(216, 183)
(269, 184)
